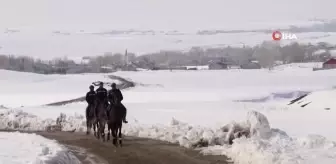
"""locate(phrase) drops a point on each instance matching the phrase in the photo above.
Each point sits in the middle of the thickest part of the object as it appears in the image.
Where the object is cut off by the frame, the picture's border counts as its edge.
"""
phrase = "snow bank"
(275, 146)
(19, 120)
(23, 148)
(266, 145)
(190, 136)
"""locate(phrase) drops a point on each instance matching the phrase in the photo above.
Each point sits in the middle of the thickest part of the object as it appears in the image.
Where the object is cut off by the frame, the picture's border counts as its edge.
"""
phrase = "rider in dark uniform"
(101, 93)
(118, 97)
(90, 98)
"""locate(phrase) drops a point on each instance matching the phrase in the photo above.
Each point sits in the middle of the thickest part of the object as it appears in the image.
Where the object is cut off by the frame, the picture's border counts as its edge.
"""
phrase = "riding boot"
(125, 112)
(124, 120)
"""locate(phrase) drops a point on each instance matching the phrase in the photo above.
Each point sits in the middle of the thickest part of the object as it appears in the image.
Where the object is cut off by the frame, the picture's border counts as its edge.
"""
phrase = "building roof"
(219, 63)
(330, 61)
(251, 63)
(222, 62)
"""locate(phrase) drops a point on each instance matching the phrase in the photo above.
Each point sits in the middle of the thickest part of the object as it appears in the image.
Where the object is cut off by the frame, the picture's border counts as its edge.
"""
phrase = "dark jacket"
(117, 93)
(90, 97)
(101, 94)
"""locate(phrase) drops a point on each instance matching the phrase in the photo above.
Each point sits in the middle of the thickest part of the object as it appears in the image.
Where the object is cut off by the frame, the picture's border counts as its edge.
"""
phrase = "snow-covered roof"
(200, 67)
(278, 62)
(80, 60)
(106, 67)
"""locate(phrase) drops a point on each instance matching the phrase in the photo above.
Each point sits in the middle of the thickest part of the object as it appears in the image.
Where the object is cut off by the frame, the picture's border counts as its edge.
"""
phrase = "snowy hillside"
(79, 44)
(319, 100)
(26, 89)
(308, 66)
(185, 106)
(227, 84)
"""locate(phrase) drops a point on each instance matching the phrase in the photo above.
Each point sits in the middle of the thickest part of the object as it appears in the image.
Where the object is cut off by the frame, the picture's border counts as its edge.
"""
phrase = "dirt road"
(135, 151)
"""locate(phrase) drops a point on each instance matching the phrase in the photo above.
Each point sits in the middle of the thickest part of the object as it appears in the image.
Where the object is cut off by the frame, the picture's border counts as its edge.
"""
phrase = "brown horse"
(101, 119)
(116, 114)
(91, 121)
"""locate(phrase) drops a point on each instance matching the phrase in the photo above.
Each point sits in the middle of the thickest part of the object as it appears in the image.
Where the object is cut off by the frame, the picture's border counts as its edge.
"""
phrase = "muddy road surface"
(89, 150)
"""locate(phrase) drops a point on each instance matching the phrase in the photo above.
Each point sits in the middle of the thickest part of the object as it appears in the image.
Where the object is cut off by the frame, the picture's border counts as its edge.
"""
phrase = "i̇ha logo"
(277, 35)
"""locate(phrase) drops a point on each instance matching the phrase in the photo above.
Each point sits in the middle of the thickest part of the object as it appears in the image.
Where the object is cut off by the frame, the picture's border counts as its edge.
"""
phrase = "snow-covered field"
(185, 106)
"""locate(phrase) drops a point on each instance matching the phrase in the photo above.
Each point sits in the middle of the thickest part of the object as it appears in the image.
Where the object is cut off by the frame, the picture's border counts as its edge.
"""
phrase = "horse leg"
(98, 129)
(94, 129)
(94, 124)
(108, 131)
(88, 126)
(102, 130)
(120, 135)
(87, 119)
(114, 135)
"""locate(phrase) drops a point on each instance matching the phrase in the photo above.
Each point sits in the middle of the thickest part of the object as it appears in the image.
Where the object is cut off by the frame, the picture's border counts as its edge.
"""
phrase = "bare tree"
(4, 62)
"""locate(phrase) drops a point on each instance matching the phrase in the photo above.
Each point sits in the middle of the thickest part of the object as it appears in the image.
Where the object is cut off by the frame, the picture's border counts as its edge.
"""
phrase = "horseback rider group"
(101, 95)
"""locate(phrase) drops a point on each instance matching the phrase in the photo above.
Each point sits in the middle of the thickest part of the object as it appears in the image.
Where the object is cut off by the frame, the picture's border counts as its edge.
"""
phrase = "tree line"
(267, 54)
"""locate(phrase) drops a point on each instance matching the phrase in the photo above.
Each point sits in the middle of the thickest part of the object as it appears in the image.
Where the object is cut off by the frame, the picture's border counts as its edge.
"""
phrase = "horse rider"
(101, 94)
(90, 98)
(118, 97)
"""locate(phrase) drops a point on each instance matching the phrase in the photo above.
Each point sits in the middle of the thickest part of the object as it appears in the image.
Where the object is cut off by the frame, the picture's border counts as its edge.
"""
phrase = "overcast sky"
(156, 14)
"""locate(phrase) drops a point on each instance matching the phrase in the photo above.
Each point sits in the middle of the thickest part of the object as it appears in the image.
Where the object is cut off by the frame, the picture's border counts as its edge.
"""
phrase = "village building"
(217, 65)
(329, 64)
(321, 55)
(251, 65)
(107, 68)
(128, 67)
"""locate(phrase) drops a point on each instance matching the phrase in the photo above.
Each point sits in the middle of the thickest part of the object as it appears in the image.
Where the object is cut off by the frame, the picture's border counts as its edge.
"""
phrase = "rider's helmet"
(114, 85)
(101, 84)
(91, 87)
